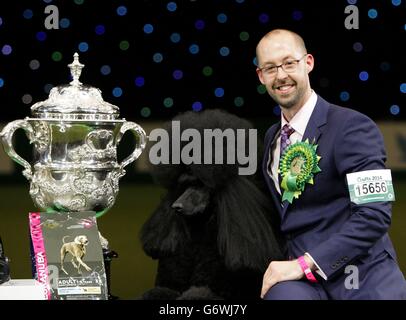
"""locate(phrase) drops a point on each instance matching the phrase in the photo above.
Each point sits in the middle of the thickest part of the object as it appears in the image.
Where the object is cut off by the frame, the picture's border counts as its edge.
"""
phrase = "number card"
(370, 186)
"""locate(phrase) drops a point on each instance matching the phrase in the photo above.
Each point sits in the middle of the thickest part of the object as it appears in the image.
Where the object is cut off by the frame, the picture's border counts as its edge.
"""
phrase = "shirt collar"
(301, 118)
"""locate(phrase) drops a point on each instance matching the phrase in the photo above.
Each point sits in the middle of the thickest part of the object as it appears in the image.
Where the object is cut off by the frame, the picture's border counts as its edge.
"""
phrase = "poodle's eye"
(188, 179)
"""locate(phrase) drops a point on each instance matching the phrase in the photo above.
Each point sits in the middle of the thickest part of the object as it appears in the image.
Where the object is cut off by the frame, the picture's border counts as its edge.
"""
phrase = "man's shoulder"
(341, 113)
(342, 120)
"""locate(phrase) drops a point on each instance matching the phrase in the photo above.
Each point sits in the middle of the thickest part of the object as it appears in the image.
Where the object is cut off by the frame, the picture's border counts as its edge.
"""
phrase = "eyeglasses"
(288, 66)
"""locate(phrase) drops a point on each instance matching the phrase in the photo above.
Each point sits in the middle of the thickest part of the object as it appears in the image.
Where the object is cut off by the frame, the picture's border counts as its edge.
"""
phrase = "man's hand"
(279, 271)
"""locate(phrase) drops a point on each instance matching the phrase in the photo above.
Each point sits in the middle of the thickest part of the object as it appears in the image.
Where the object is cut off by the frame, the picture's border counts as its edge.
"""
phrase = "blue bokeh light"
(64, 23)
(157, 57)
(175, 37)
(117, 92)
(394, 109)
(194, 49)
(41, 36)
(372, 13)
(276, 111)
(177, 74)
(83, 46)
(297, 15)
(122, 10)
(1, 82)
(358, 47)
(148, 28)
(352, 1)
(396, 2)
(219, 92)
(197, 106)
(100, 29)
(105, 70)
(139, 81)
(222, 18)
(199, 24)
(263, 18)
(363, 76)
(6, 50)
(171, 6)
(224, 51)
(403, 88)
(344, 96)
(27, 14)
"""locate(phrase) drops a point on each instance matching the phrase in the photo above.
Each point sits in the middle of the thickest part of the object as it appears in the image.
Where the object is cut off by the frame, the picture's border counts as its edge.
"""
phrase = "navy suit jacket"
(325, 223)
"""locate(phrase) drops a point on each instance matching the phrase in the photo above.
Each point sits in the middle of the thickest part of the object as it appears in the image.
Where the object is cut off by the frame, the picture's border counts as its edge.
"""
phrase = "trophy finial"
(75, 70)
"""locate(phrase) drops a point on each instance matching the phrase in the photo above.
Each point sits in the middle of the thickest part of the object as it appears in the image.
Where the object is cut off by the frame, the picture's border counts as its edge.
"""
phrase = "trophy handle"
(6, 136)
(140, 138)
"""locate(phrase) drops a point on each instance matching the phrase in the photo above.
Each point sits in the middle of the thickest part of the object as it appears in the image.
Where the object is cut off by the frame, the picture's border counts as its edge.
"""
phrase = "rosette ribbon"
(297, 167)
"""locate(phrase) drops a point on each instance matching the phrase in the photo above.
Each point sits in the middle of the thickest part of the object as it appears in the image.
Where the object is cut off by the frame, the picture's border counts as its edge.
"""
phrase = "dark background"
(337, 69)
(39, 57)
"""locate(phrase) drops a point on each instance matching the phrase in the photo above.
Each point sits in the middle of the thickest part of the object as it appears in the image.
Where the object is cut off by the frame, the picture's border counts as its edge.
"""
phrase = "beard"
(289, 100)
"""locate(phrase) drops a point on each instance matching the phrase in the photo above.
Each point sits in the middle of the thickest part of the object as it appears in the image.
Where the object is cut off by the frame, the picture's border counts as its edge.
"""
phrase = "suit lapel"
(313, 131)
(317, 120)
(268, 148)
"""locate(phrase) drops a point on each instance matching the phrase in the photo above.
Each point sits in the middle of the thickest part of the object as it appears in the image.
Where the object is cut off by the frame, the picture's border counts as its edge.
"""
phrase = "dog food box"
(67, 257)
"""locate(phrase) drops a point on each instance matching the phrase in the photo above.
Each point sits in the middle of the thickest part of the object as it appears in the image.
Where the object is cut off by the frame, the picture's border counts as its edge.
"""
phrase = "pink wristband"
(308, 273)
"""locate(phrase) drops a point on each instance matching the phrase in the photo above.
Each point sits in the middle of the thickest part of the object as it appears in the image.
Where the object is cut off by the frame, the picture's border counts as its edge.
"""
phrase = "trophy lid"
(75, 101)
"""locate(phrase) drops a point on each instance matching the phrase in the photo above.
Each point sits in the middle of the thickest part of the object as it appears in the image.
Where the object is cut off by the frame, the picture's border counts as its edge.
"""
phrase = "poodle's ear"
(164, 231)
(245, 236)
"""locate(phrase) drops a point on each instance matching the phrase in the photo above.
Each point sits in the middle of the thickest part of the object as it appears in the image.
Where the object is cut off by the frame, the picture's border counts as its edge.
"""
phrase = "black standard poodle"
(215, 231)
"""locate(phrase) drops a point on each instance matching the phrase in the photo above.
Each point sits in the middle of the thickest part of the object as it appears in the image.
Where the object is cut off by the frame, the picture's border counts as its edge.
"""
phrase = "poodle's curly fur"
(222, 249)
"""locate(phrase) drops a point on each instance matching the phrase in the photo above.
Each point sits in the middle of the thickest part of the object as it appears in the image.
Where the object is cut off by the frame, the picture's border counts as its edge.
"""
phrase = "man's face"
(288, 89)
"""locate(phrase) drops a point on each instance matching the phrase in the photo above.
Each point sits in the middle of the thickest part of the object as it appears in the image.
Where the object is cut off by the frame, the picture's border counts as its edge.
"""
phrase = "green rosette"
(297, 167)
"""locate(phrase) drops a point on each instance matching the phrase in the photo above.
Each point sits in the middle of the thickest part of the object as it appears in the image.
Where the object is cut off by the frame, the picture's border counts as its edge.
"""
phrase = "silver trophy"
(75, 134)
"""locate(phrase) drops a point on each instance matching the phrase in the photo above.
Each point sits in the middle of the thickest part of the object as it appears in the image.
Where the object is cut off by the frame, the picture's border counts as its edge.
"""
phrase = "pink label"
(41, 261)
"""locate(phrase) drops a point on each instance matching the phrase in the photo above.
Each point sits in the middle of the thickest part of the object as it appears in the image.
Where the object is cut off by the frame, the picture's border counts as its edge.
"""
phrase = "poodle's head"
(222, 124)
(241, 211)
(195, 198)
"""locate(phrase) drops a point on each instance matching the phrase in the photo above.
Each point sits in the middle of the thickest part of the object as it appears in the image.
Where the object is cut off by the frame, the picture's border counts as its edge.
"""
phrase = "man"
(337, 249)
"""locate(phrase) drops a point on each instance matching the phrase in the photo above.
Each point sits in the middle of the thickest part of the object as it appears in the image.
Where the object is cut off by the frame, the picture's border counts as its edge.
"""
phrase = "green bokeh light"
(244, 36)
(124, 45)
(168, 102)
(239, 101)
(57, 56)
(261, 89)
(145, 112)
(207, 71)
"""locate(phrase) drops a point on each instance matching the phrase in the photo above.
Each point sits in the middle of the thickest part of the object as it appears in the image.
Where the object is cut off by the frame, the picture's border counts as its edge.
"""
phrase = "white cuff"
(318, 271)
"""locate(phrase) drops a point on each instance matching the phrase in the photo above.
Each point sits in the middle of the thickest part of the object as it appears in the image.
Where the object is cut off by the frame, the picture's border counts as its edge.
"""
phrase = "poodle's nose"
(177, 206)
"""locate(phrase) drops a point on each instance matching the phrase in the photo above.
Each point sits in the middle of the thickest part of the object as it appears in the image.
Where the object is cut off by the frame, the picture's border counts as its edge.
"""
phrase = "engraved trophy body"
(75, 134)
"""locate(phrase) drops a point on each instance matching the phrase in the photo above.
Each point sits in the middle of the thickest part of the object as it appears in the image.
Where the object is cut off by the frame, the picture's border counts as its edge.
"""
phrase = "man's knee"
(293, 290)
